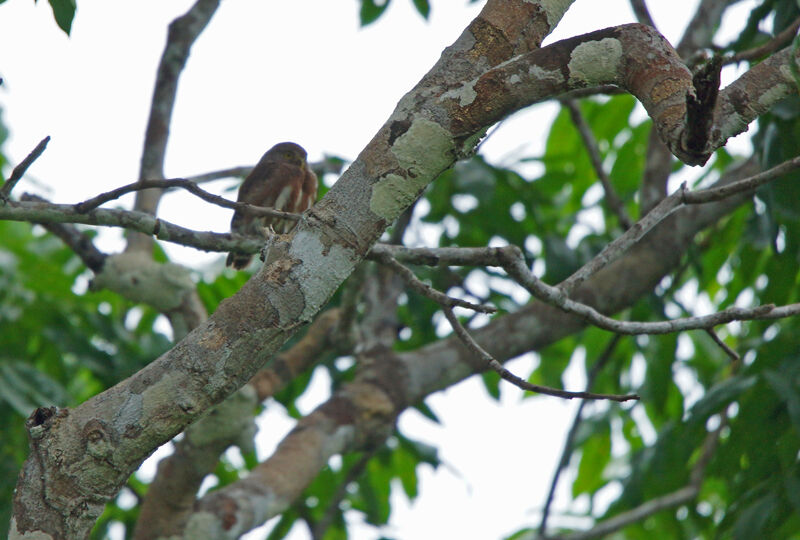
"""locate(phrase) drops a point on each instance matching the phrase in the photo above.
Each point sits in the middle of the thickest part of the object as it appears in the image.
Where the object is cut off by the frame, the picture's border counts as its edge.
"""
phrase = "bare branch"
(476, 349)
(79, 242)
(328, 165)
(671, 500)
(182, 34)
(446, 256)
(724, 346)
(569, 441)
(188, 185)
(447, 303)
(30, 210)
(642, 13)
(614, 203)
(747, 184)
(555, 296)
(19, 170)
(663, 209)
(426, 290)
(776, 43)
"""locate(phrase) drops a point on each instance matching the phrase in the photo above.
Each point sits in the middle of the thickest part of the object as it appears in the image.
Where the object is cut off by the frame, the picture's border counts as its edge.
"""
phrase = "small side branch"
(447, 303)
(80, 243)
(19, 170)
(188, 185)
(569, 442)
(614, 202)
(778, 42)
(476, 349)
(663, 209)
(556, 297)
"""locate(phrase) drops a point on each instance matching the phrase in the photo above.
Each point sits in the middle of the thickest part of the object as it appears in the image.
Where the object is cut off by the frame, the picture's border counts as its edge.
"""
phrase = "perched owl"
(281, 180)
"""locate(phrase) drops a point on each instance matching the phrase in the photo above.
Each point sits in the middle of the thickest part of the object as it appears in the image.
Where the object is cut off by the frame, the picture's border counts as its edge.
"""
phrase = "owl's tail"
(238, 260)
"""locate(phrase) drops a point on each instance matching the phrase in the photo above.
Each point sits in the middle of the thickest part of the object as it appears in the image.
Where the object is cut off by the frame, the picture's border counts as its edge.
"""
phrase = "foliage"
(68, 343)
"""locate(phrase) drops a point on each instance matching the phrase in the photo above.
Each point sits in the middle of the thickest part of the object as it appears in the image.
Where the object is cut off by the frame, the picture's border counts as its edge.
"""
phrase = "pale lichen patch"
(323, 269)
(596, 62)
(392, 194)
(465, 94)
(555, 9)
(423, 151)
(541, 74)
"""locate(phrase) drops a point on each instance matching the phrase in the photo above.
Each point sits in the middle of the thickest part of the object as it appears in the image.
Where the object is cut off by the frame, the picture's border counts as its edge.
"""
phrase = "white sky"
(301, 70)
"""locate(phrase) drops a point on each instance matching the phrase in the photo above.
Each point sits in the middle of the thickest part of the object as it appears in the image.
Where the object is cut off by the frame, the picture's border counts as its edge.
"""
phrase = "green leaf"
(63, 12)
(491, 381)
(595, 455)
(720, 395)
(423, 6)
(370, 11)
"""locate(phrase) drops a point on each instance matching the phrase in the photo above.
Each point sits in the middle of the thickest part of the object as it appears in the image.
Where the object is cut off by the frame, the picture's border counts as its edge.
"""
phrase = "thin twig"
(776, 43)
(569, 441)
(724, 346)
(232, 172)
(78, 241)
(615, 204)
(662, 210)
(676, 498)
(426, 290)
(94, 202)
(556, 297)
(478, 351)
(747, 184)
(19, 170)
(447, 303)
(670, 500)
(327, 165)
(445, 256)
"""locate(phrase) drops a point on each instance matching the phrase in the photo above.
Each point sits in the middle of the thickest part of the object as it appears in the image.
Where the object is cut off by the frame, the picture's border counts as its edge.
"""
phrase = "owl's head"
(287, 152)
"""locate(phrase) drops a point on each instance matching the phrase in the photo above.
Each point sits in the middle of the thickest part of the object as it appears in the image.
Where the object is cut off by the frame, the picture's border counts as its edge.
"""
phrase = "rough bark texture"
(81, 457)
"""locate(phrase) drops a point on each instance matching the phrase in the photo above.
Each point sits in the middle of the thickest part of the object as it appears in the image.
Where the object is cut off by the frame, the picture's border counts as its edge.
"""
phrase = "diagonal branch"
(555, 296)
(569, 441)
(614, 203)
(19, 170)
(182, 34)
(447, 303)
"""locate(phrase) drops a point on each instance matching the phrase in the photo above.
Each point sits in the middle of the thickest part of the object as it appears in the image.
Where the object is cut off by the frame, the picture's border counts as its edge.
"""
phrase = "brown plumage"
(281, 180)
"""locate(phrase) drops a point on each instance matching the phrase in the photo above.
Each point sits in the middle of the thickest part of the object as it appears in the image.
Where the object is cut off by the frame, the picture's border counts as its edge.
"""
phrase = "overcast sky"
(302, 70)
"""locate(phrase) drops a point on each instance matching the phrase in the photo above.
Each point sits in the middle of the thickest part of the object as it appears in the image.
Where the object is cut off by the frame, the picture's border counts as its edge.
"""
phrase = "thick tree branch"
(698, 35)
(416, 374)
(426, 133)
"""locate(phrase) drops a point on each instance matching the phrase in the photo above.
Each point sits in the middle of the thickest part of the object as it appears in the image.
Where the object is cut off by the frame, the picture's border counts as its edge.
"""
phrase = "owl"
(281, 180)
